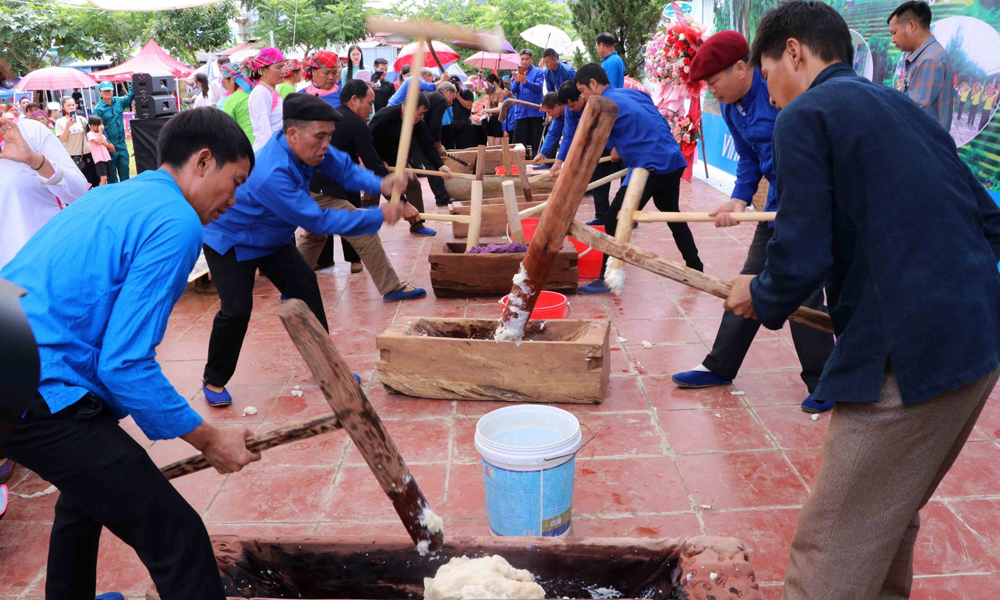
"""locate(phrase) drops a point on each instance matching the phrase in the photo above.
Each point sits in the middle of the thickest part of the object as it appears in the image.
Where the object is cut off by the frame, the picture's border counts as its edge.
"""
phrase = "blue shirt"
(400, 95)
(751, 122)
(876, 203)
(614, 66)
(113, 116)
(571, 118)
(275, 201)
(554, 79)
(554, 133)
(102, 277)
(641, 135)
(529, 91)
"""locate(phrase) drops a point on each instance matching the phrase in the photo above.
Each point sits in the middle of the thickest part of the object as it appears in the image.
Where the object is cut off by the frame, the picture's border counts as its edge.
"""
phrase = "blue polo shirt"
(554, 79)
(751, 123)
(641, 135)
(614, 66)
(400, 95)
(275, 201)
(102, 278)
(554, 133)
(529, 91)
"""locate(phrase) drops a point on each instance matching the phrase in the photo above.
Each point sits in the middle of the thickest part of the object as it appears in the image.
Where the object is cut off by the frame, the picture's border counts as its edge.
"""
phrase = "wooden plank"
(271, 439)
(507, 164)
(455, 274)
(588, 145)
(461, 189)
(614, 274)
(679, 273)
(513, 217)
(694, 217)
(522, 170)
(480, 163)
(427, 29)
(494, 221)
(361, 422)
(575, 354)
(430, 173)
(475, 215)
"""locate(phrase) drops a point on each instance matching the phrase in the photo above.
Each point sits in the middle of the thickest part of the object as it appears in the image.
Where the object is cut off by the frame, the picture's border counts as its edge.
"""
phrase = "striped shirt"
(927, 80)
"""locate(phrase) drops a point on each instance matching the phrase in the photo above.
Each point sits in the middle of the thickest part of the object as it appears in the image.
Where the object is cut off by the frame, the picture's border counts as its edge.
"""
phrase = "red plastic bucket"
(550, 306)
(500, 170)
(589, 260)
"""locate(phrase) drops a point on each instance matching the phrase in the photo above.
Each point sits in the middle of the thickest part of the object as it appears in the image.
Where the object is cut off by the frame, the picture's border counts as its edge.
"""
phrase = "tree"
(312, 24)
(120, 32)
(30, 33)
(631, 22)
(185, 32)
(514, 16)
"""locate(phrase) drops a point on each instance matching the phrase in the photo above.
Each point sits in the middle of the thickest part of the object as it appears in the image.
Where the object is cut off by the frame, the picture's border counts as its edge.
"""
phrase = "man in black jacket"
(438, 104)
(352, 136)
(384, 89)
(461, 121)
(386, 127)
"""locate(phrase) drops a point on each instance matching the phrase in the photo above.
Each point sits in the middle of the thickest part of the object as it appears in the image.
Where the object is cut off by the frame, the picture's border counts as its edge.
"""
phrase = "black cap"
(306, 107)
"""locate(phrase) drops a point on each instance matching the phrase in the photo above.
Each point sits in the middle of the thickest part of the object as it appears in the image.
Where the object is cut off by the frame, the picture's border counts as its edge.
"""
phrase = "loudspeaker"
(145, 84)
(155, 106)
(145, 133)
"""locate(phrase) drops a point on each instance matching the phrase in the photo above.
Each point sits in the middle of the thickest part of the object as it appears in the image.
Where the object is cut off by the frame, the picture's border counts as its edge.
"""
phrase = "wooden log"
(475, 215)
(480, 163)
(507, 164)
(494, 222)
(530, 212)
(409, 117)
(455, 274)
(522, 171)
(430, 173)
(461, 189)
(679, 273)
(471, 366)
(513, 218)
(361, 422)
(465, 219)
(271, 439)
(614, 275)
(641, 216)
(427, 29)
(494, 159)
(591, 136)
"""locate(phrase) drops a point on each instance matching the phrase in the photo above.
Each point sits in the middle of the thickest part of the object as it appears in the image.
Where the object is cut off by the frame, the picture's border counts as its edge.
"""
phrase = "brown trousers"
(368, 247)
(881, 463)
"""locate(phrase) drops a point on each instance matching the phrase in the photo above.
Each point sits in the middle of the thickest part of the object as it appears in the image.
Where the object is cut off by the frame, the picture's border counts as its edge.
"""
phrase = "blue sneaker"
(595, 221)
(283, 298)
(597, 286)
(812, 406)
(110, 596)
(699, 379)
(402, 294)
(356, 376)
(217, 399)
(426, 231)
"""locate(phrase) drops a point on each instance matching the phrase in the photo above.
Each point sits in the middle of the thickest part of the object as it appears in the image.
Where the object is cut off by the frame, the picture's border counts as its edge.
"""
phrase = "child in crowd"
(100, 147)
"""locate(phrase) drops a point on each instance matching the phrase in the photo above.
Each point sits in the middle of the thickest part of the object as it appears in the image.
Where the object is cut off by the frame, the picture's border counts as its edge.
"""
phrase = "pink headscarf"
(265, 58)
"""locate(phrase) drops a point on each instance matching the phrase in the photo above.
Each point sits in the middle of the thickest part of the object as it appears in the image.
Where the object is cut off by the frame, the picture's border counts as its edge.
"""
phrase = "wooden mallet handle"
(641, 216)
(409, 115)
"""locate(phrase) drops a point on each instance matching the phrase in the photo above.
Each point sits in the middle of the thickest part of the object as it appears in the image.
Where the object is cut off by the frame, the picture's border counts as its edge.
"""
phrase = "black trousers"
(665, 190)
(528, 131)
(448, 136)
(465, 135)
(106, 479)
(602, 194)
(736, 333)
(441, 195)
(234, 279)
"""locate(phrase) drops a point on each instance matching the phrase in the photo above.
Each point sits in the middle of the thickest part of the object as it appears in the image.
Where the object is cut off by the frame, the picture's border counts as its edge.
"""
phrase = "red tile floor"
(665, 462)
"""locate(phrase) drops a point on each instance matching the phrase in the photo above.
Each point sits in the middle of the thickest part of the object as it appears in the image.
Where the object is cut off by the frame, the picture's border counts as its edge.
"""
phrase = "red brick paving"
(665, 462)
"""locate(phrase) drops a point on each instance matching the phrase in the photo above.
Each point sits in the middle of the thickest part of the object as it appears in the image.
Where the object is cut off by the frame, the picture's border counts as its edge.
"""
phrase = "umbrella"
(54, 78)
(479, 46)
(494, 60)
(444, 54)
(548, 36)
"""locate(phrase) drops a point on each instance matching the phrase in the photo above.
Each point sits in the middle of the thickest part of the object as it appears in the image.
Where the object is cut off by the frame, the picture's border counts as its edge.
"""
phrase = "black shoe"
(442, 204)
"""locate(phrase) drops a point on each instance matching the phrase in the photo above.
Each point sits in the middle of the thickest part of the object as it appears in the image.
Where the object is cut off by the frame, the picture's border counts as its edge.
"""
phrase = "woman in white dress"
(265, 69)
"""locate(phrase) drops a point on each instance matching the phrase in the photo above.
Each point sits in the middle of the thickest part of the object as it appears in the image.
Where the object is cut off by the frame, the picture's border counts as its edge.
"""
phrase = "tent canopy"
(151, 59)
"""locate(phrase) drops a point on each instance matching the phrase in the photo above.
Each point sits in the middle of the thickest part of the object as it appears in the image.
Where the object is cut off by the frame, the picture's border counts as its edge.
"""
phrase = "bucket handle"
(592, 436)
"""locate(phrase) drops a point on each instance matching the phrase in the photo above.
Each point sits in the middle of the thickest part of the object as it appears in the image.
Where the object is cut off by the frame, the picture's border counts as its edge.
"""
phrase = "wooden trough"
(461, 189)
(457, 359)
(455, 274)
(494, 158)
(494, 217)
(335, 568)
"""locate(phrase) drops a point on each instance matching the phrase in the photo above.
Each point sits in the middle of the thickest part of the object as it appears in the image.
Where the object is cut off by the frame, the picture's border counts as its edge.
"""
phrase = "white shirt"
(201, 101)
(215, 91)
(266, 121)
(28, 201)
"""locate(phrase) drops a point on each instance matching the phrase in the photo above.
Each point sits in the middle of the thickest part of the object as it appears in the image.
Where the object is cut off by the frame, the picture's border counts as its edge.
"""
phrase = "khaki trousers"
(368, 247)
(882, 462)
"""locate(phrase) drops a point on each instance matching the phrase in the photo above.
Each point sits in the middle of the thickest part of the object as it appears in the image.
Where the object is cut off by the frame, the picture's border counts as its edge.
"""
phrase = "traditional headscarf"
(265, 58)
(235, 72)
(319, 60)
(40, 113)
(291, 65)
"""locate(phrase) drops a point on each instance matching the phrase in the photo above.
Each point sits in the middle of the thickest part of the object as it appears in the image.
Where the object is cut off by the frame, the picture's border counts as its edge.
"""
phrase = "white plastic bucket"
(529, 464)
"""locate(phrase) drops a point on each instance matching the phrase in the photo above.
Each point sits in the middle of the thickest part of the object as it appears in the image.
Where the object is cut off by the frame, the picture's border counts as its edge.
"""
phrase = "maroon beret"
(718, 52)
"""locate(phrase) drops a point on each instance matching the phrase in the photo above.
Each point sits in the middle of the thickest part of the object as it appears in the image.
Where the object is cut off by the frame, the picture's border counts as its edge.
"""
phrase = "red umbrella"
(444, 54)
(54, 78)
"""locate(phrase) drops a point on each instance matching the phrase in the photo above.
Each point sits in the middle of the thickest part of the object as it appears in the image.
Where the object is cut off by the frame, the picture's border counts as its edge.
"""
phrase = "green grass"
(131, 158)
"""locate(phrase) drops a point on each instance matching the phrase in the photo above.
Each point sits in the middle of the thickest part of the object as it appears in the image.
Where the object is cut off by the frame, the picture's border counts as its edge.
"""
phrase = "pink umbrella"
(54, 78)
(494, 60)
(444, 53)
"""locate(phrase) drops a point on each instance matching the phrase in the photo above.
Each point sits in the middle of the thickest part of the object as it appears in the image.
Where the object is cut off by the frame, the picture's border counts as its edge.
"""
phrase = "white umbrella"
(548, 36)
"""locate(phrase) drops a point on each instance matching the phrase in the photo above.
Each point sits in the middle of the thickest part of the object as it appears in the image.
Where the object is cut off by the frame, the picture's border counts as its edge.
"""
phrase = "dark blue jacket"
(876, 203)
(529, 91)
(751, 122)
(554, 79)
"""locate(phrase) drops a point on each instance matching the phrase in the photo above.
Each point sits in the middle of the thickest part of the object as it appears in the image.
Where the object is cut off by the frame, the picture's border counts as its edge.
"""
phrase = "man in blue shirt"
(556, 112)
(425, 79)
(526, 84)
(111, 109)
(876, 203)
(102, 278)
(722, 62)
(556, 72)
(612, 63)
(641, 138)
(259, 231)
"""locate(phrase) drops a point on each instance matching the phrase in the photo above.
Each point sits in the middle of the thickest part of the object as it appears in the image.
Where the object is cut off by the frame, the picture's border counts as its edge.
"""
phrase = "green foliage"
(28, 32)
(183, 33)
(120, 32)
(631, 22)
(312, 24)
(966, 68)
